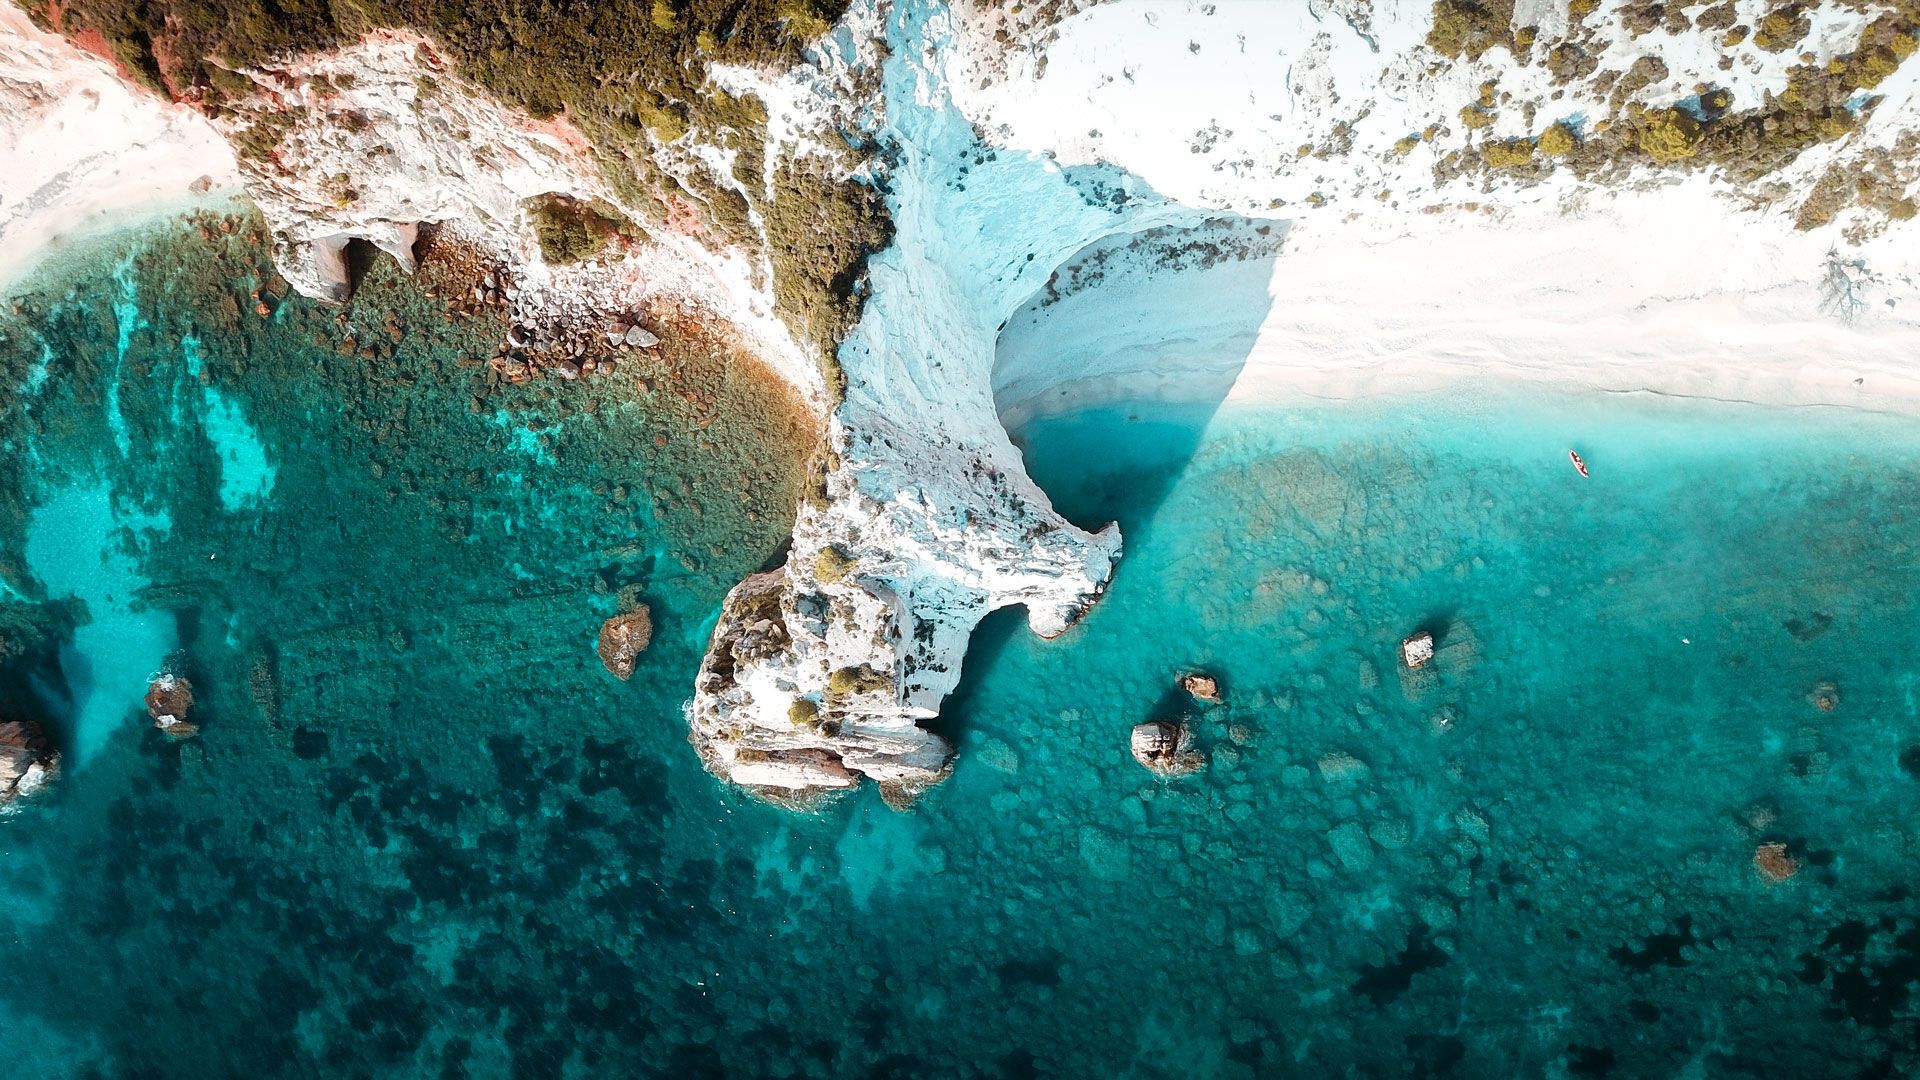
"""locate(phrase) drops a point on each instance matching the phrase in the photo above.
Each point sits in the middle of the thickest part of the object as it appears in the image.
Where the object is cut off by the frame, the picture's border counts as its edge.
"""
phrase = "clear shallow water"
(423, 833)
(78, 547)
(1541, 857)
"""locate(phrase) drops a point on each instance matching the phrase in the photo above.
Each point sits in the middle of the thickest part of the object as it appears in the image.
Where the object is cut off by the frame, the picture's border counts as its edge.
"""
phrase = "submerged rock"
(169, 698)
(1759, 817)
(1774, 862)
(998, 754)
(623, 638)
(1340, 765)
(1810, 627)
(1351, 846)
(1106, 855)
(1824, 696)
(1165, 748)
(27, 762)
(1202, 687)
(640, 338)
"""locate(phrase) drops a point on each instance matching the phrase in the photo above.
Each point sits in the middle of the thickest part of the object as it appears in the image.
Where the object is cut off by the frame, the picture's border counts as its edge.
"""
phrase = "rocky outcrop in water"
(1417, 650)
(28, 763)
(819, 673)
(169, 698)
(1202, 687)
(1165, 748)
(782, 712)
(623, 638)
(1774, 863)
(1824, 696)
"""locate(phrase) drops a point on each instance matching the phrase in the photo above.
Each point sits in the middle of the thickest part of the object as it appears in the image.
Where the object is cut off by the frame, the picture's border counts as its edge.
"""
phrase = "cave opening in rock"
(989, 640)
(1107, 377)
(358, 254)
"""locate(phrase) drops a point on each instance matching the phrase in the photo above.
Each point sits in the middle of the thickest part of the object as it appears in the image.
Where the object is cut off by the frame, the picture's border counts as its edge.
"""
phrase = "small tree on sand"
(1843, 291)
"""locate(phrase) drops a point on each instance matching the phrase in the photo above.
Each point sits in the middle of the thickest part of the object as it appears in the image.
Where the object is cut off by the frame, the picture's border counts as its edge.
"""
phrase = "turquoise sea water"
(423, 834)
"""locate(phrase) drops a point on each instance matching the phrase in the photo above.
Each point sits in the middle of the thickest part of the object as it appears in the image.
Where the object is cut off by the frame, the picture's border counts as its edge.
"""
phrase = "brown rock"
(623, 638)
(27, 762)
(1202, 687)
(169, 697)
(1165, 748)
(1774, 864)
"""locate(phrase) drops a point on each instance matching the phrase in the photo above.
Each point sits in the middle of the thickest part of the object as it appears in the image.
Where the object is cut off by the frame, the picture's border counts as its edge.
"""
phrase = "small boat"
(1577, 463)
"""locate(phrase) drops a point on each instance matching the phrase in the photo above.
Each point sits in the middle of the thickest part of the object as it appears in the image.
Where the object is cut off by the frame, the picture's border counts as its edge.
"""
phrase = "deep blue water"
(423, 833)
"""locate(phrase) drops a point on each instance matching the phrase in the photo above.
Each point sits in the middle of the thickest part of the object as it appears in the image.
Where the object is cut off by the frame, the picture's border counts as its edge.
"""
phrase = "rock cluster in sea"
(547, 333)
(1774, 862)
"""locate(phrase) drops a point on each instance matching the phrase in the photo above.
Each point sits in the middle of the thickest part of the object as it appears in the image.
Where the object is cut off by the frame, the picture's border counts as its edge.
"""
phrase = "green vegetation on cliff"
(629, 74)
(820, 229)
(570, 230)
(1823, 101)
(635, 58)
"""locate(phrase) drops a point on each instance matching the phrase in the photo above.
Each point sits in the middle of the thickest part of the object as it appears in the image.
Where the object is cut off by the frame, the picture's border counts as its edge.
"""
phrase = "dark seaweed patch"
(1384, 983)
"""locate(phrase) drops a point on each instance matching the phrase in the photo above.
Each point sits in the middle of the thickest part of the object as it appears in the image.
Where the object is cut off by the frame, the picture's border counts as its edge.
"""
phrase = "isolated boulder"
(1774, 863)
(169, 698)
(27, 762)
(1824, 696)
(623, 638)
(1165, 748)
(1203, 687)
(1417, 650)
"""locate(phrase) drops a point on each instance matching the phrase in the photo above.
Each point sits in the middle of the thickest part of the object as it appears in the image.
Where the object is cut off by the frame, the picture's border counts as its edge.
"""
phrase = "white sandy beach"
(1672, 291)
(82, 152)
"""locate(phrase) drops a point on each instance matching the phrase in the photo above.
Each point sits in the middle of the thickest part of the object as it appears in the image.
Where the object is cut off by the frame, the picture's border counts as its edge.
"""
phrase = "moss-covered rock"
(570, 230)
(1558, 140)
(1667, 135)
(850, 681)
(1464, 29)
(832, 565)
(1507, 153)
